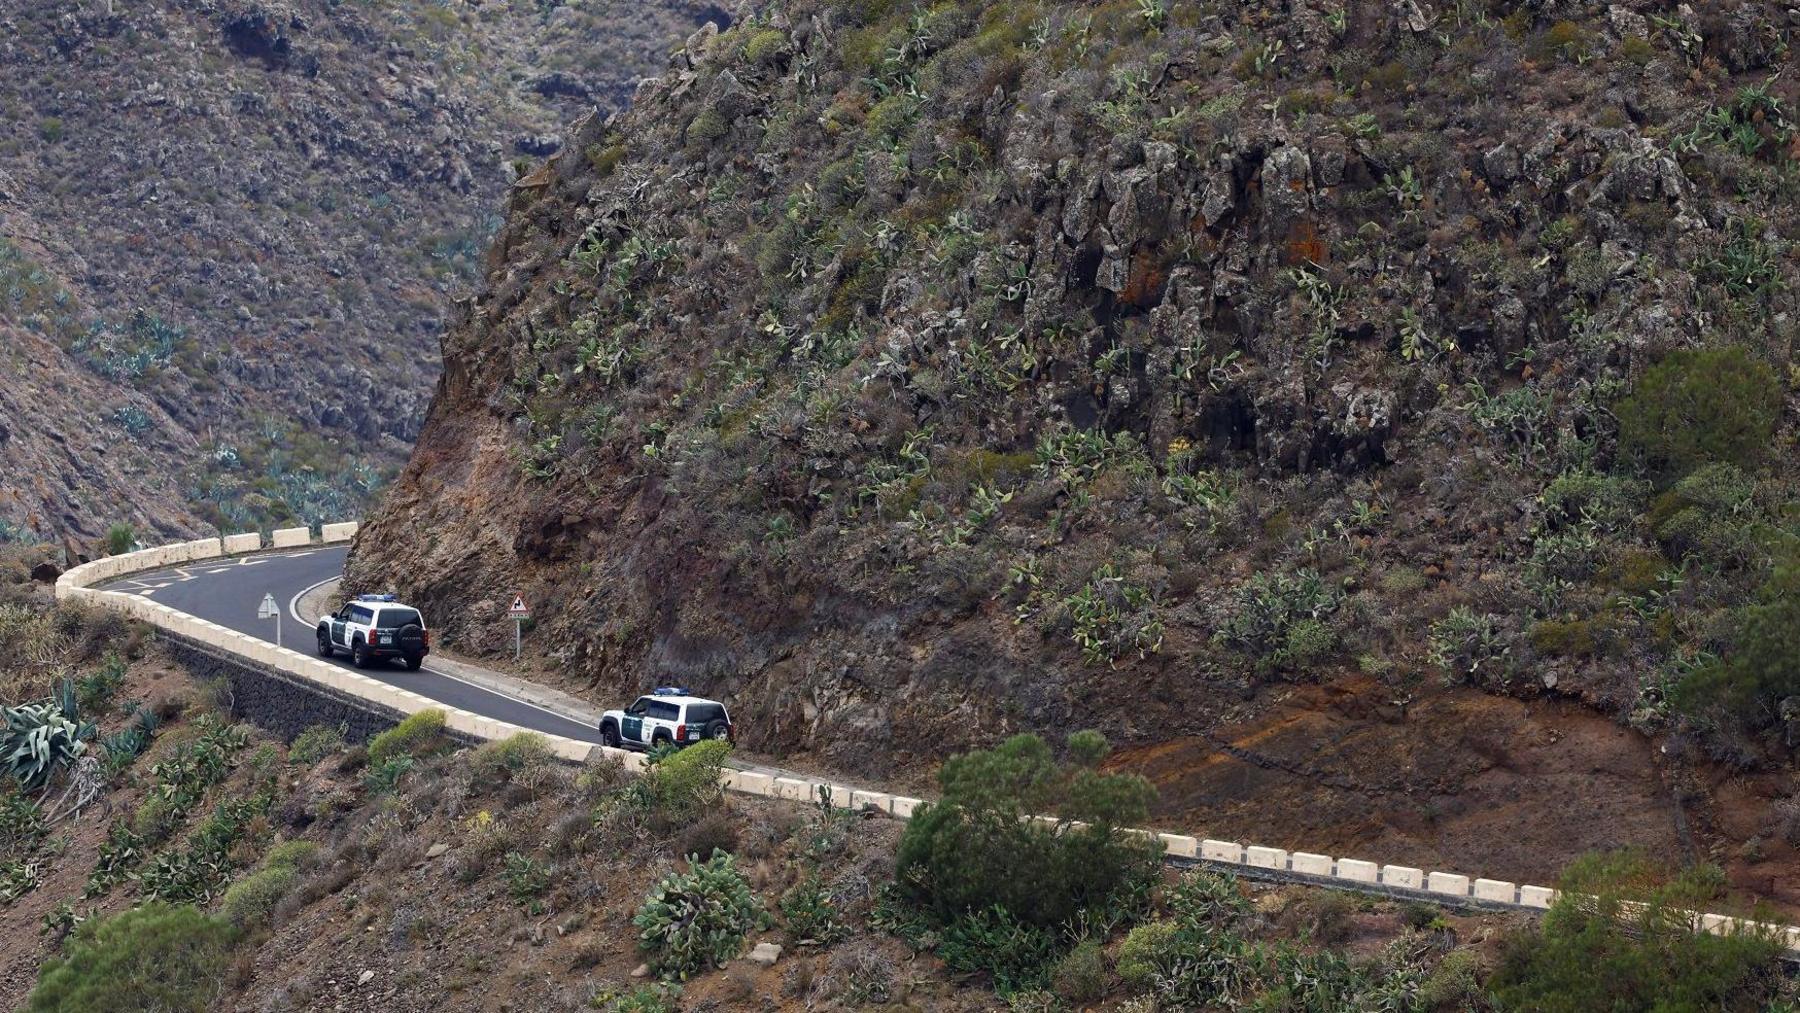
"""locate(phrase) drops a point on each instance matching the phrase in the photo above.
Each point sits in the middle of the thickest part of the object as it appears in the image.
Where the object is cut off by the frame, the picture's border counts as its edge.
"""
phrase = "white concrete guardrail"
(1350, 873)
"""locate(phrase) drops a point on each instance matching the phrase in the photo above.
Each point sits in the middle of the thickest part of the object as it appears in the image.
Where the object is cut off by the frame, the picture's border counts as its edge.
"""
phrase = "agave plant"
(38, 738)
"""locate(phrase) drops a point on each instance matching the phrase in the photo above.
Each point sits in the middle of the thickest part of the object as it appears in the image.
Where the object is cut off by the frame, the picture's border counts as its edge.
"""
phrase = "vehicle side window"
(664, 711)
(344, 613)
(637, 709)
(359, 614)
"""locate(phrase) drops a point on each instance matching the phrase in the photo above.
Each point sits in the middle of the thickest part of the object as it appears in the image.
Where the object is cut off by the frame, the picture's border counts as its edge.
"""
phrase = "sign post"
(269, 610)
(519, 613)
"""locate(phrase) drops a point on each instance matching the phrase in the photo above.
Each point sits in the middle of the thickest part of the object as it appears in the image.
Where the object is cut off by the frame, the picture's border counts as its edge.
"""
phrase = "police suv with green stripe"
(669, 714)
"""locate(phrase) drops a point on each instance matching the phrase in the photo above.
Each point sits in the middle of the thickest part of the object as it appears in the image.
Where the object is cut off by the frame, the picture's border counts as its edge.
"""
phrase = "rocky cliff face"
(912, 375)
(254, 214)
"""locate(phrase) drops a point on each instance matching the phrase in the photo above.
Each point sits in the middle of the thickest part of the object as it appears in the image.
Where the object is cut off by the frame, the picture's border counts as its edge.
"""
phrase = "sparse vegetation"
(698, 919)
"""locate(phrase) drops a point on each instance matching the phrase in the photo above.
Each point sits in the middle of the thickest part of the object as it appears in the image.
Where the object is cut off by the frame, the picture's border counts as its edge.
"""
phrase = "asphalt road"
(227, 592)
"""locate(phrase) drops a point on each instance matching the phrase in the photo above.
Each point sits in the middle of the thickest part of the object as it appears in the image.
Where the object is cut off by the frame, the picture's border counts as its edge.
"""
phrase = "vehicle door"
(632, 728)
(664, 716)
(338, 623)
(361, 618)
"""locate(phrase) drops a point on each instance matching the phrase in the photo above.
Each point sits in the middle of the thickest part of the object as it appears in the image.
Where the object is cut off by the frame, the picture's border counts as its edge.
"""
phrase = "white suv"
(667, 715)
(376, 627)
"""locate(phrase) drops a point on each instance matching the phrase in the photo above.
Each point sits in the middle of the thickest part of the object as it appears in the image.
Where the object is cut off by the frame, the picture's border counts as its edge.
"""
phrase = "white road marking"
(294, 610)
(577, 722)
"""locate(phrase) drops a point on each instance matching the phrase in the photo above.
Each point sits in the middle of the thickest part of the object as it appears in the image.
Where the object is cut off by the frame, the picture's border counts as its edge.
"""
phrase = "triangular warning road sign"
(518, 606)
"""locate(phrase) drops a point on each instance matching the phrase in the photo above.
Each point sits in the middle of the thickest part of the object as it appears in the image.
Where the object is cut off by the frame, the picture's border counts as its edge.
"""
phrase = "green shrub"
(1283, 619)
(605, 159)
(1080, 976)
(38, 739)
(1710, 516)
(695, 920)
(291, 855)
(411, 735)
(1595, 954)
(156, 957)
(316, 743)
(766, 46)
(1700, 406)
(1203, 899)
(119, 539)
(522, 753)
(975, 850)
(685, 784)
(656, 998)
(383, 776)
(707, 127)
(1147, 949)
(249, 900)
(1454, 984)
(809, 913)
(156, 818)
(526, 877)
(1018, 956)
(22, 825)
(1765, 667)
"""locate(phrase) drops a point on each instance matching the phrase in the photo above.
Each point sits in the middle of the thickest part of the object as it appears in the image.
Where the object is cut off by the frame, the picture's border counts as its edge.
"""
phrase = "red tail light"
(730, 732)
(680, 733)
(427, 636)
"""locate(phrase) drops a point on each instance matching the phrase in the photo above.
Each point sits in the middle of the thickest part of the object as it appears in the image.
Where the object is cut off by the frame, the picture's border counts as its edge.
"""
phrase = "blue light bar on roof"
(376, 597)
(669, 691)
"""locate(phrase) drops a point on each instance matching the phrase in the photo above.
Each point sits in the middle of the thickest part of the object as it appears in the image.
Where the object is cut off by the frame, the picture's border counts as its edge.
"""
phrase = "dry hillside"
(1378, 419)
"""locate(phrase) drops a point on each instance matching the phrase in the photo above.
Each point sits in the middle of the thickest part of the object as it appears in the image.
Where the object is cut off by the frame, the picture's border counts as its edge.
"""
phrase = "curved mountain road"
(227, 591)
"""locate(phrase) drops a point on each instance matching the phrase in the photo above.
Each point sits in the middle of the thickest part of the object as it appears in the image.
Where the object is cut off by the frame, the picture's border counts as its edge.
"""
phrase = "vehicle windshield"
(393, 619)
(642, 705)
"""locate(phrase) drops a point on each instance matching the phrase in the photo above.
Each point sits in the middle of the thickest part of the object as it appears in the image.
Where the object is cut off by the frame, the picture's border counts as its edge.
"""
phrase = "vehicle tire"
(609, 735)
(324, 643)
(413, 661)
(719, 729)
(411, 640)
(359, 654)
(661, 739)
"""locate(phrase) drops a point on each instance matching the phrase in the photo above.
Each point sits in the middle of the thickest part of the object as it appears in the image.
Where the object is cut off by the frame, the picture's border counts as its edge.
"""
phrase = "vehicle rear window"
(704, 713)
(664, 711)
(393, 619)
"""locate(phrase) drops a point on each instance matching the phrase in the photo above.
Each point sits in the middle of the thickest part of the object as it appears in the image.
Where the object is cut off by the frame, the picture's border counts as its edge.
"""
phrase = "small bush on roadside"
(716, 831)
(1592, 953)
(159, 957)
(685, 784)
(120, 538)
(417, 732)
(973, 850)
(698, 919)
(516, 757)
(316, 743)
